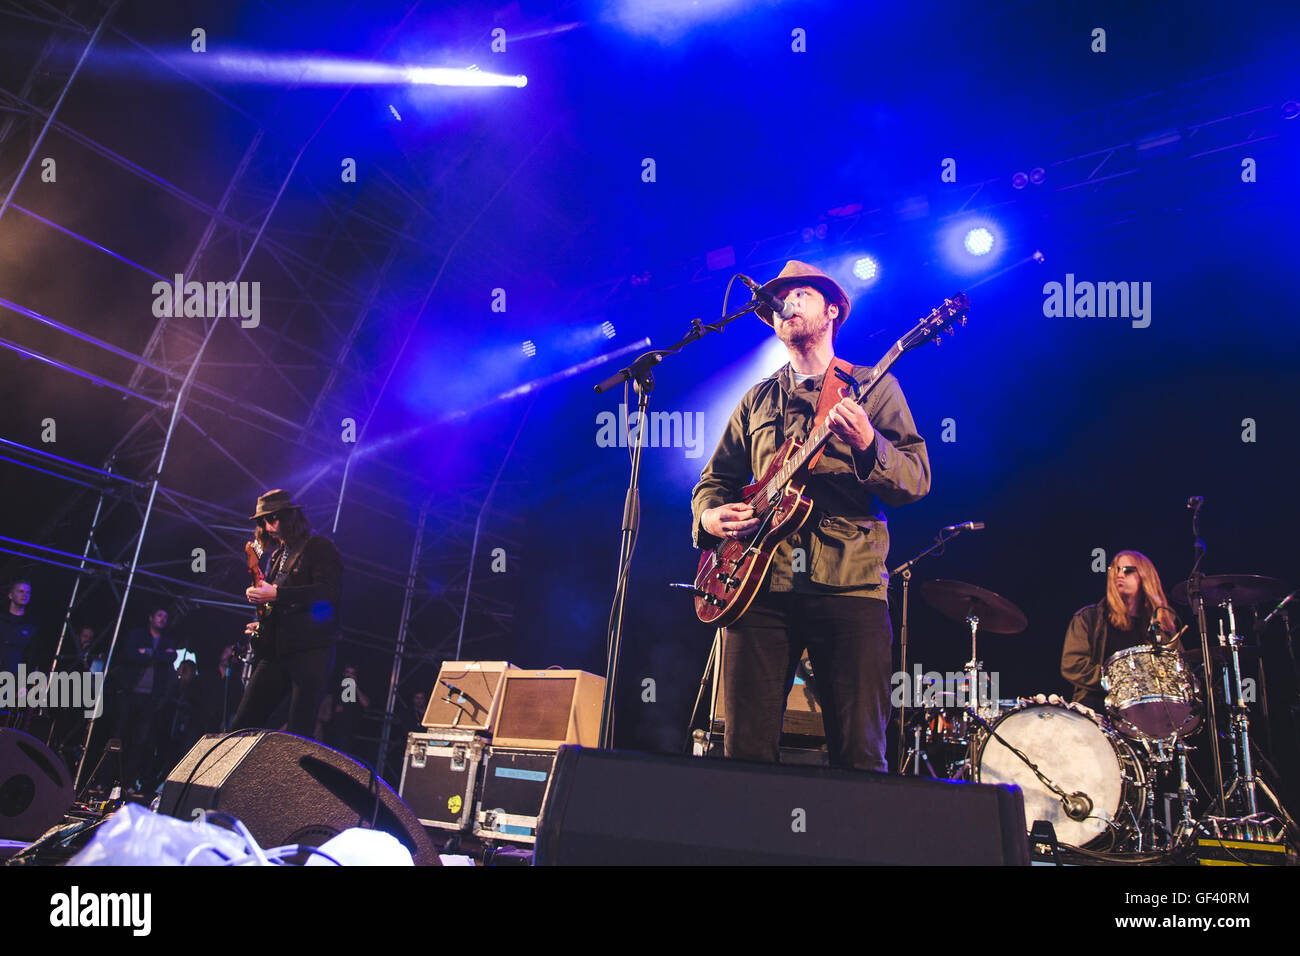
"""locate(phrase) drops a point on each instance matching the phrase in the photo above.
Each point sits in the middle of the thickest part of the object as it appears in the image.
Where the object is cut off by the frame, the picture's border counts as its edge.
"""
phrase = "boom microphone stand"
(639, 373)
(905, 570)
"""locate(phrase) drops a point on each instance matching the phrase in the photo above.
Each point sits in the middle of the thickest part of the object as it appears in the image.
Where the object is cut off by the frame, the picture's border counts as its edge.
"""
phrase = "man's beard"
(810, 332)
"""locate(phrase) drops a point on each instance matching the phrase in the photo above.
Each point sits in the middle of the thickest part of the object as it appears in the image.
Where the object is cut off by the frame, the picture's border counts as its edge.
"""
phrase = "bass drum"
(1076, 752)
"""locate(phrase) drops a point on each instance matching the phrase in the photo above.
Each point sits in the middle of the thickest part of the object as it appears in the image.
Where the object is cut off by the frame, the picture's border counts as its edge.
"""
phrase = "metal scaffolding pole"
(399, 650)
(31, 154)
(76, 581)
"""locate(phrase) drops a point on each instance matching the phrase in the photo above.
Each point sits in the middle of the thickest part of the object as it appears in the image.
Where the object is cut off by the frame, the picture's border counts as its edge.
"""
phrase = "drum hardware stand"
(1197, 601)
(1239, 717)
(973, 668)
(915, 752)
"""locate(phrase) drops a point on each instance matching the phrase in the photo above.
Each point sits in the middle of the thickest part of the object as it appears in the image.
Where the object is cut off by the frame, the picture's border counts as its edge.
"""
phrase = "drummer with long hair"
(1134, 612)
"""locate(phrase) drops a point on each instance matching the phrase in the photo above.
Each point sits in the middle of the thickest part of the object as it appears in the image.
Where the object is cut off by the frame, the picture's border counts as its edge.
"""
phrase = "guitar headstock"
(944, 318)
(253, 550)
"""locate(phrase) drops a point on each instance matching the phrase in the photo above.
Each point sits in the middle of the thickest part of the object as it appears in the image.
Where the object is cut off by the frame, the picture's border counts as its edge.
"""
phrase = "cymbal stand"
(1239, 717)
(1197, 600)
(973, 668)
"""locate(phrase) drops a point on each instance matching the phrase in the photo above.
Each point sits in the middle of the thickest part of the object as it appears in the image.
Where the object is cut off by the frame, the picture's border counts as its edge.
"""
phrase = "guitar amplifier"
(514, 785)
(440, 776)
(544, 710)
(473, 705)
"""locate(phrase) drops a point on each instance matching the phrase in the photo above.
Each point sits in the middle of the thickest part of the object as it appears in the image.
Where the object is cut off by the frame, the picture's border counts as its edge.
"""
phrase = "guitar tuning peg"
(938, 340)
(951, 330)
(963, 321)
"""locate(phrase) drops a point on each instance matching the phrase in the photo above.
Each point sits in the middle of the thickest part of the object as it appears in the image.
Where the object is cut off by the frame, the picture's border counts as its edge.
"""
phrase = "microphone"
(966, 526)
(1195, 502)
(1259, 627)
(778, 305)
(1077, 806)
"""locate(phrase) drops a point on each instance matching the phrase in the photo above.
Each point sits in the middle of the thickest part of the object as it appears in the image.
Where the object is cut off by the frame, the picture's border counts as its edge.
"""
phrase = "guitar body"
(730, 573)
(259, 645)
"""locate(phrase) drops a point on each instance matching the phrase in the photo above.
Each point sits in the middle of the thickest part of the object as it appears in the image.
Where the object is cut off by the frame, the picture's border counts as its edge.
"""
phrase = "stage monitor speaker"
(35, 787)
(473, 705)
(288, 789)
(543, 710)
(611, 807)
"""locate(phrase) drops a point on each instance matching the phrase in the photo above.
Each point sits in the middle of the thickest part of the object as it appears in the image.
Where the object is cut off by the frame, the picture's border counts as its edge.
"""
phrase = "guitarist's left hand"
(848, 422)
(263, 593)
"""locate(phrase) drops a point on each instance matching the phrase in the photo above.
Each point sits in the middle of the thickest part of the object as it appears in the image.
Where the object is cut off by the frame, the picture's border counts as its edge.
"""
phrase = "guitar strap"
(288, 562)
(827, 399)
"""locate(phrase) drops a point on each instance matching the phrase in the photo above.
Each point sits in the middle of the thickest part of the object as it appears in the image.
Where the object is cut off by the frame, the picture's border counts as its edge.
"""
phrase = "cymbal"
(1242, 588)
(957, 600)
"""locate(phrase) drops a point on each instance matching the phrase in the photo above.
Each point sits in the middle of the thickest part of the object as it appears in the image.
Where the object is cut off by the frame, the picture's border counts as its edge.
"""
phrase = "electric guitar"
(731, 572)
(259, 643)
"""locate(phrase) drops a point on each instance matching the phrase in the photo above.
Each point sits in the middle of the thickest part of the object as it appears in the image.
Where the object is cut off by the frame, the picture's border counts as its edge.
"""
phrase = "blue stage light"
(865, 268)
(979, 241)
(530, 349)
(608, 329)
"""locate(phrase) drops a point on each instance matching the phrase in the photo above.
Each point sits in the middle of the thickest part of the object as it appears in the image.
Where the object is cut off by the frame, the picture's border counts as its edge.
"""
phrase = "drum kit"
(1095, 777)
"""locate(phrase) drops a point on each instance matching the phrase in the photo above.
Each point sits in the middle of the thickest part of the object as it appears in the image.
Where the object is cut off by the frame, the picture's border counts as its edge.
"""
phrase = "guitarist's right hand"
(729, 521)
(250, 629)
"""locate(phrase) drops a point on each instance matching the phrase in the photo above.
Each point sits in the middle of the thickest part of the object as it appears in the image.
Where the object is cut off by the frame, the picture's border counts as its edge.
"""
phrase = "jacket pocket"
(763, 432)
(847, 553)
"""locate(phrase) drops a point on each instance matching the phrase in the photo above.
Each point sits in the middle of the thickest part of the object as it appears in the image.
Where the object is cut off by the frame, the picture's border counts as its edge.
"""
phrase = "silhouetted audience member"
(141, 671)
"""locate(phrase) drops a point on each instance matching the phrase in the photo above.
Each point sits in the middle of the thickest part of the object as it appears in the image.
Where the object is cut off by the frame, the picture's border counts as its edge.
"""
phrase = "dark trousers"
(135, 728)
(849, 646)
(302, 676)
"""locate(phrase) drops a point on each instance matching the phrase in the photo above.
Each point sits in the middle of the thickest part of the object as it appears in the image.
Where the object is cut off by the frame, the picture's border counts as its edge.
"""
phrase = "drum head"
(1071, 751)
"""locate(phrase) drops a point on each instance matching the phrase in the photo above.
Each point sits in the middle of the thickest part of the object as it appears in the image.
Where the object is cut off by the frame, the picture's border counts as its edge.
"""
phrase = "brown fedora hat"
(273, 501)
(800, 273)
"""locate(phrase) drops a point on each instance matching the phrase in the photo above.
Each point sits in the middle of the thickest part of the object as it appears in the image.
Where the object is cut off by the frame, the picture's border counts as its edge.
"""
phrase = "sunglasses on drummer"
(1125, 569)
(263, 521)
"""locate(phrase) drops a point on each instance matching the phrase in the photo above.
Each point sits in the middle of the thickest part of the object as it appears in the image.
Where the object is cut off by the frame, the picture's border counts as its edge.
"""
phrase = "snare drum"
(1149, 693)
(1076, 752)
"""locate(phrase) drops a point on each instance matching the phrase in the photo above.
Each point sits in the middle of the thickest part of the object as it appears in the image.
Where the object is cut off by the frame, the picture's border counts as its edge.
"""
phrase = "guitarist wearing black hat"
(294, 643)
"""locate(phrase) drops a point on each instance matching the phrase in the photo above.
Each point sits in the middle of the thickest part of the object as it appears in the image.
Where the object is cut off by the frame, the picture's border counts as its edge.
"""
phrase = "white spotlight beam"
(445, 76)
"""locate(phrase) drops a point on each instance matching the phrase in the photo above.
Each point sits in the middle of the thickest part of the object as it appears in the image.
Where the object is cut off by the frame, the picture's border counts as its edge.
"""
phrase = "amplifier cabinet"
(514, 785)
(472, 705)
(440, 777)
(545, 710)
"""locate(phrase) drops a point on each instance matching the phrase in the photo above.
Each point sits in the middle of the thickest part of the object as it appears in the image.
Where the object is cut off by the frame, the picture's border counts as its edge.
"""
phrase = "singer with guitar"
(293, 642)
(825, 588)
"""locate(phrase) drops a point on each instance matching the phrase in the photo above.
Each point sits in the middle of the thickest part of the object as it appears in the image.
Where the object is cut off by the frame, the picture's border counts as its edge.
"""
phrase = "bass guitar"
(731, 572)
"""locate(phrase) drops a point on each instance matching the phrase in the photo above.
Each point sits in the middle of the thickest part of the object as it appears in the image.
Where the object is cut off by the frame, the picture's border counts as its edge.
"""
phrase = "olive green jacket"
(843, 545)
